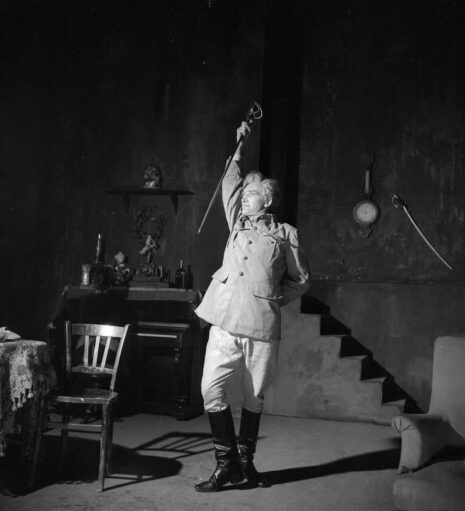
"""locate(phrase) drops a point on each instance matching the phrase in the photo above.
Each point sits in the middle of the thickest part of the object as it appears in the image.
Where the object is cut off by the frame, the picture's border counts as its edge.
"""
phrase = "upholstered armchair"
(440, 486)
(424, 435)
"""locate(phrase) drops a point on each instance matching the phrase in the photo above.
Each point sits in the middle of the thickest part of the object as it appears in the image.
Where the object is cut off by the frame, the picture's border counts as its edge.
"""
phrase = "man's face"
(254, 201)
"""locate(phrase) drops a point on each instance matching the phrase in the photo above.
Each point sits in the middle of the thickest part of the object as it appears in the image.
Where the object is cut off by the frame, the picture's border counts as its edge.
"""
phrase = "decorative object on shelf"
(149, 267)
(153, 177)
(149, 223)
(121, 270)
(85, 275)
(100, 250)
(149, 274)
(98, 262)
(366, 212)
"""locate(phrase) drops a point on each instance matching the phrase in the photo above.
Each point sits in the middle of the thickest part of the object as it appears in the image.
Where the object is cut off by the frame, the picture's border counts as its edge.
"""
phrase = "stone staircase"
(325, 373)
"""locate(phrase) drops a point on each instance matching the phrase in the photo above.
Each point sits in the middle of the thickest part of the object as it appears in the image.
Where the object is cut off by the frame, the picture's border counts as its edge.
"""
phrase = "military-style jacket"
(263, 269)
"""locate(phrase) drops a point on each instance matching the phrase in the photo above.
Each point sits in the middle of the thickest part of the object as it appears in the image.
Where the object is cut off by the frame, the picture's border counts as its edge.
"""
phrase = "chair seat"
(88, 396)
(94, 371)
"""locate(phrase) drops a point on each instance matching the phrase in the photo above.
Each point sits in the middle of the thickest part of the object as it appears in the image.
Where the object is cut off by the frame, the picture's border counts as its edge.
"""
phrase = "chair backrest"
(448, 383)
(97, 343)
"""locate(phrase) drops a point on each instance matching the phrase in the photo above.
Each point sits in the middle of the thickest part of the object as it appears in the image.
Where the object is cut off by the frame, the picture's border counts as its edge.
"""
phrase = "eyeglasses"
(252, 194)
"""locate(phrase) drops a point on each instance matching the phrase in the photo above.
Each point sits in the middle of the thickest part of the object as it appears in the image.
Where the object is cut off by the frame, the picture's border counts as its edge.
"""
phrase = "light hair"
(271, 186)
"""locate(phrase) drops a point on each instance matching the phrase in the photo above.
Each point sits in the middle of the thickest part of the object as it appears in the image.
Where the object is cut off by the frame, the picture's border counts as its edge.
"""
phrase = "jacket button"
(241, 274)
(245, 257)
(250, 242)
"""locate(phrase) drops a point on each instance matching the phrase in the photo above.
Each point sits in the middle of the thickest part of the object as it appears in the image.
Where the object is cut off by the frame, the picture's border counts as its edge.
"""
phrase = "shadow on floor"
(143, 463)
(181, 444)
(155, 459)
(380, 460)
(81, 466)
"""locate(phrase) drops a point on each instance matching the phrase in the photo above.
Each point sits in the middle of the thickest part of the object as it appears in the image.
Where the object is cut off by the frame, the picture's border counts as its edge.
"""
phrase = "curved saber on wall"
(400, 204)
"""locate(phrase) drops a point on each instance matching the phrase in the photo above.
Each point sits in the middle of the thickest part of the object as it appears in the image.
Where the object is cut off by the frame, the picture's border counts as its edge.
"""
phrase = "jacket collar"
(266, 222)
(267, 218)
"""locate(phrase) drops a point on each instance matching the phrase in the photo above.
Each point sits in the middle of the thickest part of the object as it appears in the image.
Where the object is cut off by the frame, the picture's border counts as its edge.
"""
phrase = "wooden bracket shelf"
(127, 192)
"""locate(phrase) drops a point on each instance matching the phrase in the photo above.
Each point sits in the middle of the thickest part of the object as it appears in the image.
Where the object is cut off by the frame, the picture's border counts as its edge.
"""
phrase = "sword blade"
(217, 190)
(424, 238)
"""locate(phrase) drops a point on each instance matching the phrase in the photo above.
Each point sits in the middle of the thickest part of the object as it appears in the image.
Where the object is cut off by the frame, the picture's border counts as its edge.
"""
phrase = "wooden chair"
(96, 343)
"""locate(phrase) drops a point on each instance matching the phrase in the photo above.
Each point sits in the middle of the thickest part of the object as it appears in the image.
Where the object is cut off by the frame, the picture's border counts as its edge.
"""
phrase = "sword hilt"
(255, 113)
(398, 202)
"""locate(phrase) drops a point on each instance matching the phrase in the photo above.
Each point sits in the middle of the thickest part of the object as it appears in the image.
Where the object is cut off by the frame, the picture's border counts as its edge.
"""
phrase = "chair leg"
(64, 446)
(38, 442)
(65, 417)
(109, 451)
(106, 411)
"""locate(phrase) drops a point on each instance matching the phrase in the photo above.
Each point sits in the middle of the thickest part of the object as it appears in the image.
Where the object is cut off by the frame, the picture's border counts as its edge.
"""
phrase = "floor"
(314, 465)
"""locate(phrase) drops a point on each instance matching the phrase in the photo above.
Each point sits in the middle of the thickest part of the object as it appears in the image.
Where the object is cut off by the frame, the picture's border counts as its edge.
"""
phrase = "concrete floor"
(314, 465)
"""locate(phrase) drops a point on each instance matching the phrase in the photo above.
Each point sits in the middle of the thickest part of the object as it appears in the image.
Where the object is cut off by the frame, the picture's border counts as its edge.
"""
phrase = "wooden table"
(24, 379)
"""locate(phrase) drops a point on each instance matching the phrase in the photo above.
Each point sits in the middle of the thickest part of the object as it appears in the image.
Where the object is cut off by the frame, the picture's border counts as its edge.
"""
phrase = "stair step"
(350, 367)
(380, 379)
(331, 326)
(352, 347)
(400, 404)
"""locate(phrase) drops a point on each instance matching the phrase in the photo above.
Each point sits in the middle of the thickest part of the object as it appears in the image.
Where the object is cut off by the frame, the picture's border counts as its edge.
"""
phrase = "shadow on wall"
(324, 372)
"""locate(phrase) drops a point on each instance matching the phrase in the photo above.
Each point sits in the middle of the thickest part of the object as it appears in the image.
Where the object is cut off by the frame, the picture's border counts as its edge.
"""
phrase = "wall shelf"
(127, 192)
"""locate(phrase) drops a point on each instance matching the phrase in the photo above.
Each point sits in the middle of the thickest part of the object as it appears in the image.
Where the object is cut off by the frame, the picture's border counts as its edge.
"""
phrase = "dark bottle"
(189, 277)
(180, 277)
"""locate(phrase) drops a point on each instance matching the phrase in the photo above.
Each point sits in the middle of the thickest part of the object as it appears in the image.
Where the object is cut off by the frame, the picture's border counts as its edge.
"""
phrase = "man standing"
(263, 269)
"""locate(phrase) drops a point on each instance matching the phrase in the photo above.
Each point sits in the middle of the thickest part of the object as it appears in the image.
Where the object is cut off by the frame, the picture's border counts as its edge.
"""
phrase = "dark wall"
(384, 79)
(95, 91)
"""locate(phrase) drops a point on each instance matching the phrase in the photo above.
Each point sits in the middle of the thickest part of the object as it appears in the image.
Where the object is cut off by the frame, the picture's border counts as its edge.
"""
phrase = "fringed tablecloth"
(25, 372)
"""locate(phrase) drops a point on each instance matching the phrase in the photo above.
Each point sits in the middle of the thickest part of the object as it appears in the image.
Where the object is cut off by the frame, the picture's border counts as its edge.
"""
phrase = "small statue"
(148, 268)
(148, 248)
(153, 177)
(121, 270)
(149, 223)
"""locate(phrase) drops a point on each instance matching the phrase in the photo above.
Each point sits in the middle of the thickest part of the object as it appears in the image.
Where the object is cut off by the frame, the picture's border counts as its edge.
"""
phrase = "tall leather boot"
(227, 468)
(248, 434)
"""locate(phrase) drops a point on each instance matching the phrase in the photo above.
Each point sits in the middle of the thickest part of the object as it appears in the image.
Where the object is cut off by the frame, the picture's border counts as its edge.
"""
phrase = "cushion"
(423, 436)
(439, 487)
